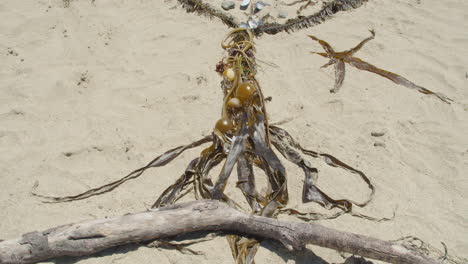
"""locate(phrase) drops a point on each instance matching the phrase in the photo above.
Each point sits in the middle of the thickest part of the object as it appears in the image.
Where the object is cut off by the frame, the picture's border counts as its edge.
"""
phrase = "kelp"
(242, 137)
(201, 8)
(159, 161)
(418, 245)
(339, 59)
(302, 7)
(293, 152)
(327, 11)
(182, 246)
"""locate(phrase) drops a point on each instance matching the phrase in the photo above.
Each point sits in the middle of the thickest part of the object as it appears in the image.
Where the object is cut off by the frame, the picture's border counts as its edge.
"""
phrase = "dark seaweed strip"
(416, 244)
(303, 7)
(201, 8)
(271, 164)
(362, 65)
(327, 47)
(237, 148)
(291, 150)
(244, 249)
(361, 44)
(329, 159)
(173, 192)
(371, 218)
(311, 193)
(334, 162)
(311, 216)
(209, 159)
(161, 160)
(246, 182)
(340, 58)
(339, 75)
(168, 156)
(182, 247)
(327, 11)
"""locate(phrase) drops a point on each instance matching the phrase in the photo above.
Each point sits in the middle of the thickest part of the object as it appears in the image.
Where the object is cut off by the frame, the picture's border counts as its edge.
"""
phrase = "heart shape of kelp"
(327, 11)
(243, 136)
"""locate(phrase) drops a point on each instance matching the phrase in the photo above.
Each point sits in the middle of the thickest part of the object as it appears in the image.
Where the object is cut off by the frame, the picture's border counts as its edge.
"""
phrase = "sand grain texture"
(93, 91)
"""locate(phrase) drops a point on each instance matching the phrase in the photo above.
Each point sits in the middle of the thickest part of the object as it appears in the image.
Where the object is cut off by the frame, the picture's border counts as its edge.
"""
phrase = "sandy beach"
(92, 91)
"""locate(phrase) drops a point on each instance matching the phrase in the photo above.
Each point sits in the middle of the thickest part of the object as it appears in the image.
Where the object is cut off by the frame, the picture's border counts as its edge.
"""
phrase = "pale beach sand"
(91, 92)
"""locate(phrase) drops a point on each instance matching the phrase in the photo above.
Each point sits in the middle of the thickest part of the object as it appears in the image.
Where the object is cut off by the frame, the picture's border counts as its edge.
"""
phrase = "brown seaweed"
(243, 137)
(302, 7)
(338, 59)
(416, 244)
(300, 22)
(293, 152)
(159, 161)
(327, 11)
(201, 8)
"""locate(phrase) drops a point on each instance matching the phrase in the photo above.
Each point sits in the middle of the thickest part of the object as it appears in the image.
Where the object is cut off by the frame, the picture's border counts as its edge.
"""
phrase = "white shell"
(245, 3)
(252, 23)
(243, 25)
(260, 5)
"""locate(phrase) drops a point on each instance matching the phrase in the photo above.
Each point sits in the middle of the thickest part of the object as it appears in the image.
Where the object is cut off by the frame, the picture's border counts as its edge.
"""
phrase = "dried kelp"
(293, 152)
(300, 22)
(338, 59)
(327, 11)
(159, 161)
(205, 9)
(425, 249)
(302, 7)
(243, 137)
(181, 246)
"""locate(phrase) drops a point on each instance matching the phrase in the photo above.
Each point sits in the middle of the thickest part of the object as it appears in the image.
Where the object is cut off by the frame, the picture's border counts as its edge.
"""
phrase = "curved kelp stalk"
(201, 8)
(242, 136)
(327, 11)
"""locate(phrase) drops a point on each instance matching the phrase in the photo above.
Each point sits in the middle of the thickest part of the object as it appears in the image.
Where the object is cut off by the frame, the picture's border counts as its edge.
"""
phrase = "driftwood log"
(92, 236)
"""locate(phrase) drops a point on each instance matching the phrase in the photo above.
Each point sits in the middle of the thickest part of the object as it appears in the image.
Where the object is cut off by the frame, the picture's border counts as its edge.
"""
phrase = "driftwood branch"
(91, 236)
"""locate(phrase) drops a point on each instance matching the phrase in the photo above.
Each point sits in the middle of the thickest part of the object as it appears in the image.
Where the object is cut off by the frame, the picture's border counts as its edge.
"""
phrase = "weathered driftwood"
(91, 236)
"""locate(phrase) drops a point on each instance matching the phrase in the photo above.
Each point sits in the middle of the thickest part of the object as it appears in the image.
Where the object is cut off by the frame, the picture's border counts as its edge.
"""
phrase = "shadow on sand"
(305, 256)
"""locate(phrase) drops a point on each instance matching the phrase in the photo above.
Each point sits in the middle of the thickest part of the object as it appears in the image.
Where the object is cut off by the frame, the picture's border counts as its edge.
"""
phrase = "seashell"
(227, 5)
(244, 4)
(260, 5)
(252, 24)
(282, 14)
(243, 25)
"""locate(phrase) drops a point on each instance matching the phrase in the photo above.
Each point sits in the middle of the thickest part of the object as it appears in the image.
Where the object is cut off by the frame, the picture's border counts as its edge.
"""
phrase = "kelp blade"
(161, 160)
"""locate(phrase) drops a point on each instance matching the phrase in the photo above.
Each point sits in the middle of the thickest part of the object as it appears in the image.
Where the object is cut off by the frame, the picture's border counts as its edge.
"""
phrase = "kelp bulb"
(234, 103)
(224, 125)
(229, 74)
(245, 91)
